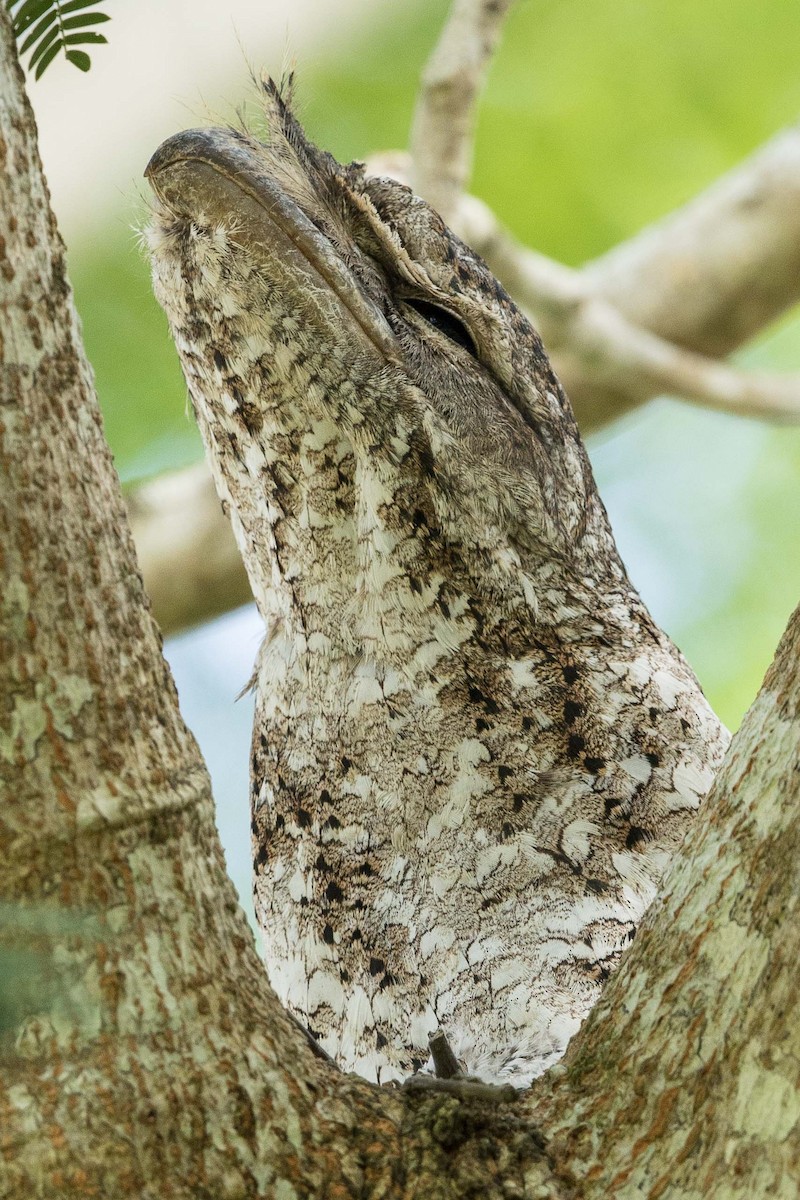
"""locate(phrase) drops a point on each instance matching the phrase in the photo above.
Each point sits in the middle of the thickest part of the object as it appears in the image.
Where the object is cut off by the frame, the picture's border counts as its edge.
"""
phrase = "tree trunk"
(142, 1051)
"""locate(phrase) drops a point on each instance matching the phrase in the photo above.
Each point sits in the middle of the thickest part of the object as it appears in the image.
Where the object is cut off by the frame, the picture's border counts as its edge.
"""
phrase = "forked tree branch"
(156, 1061)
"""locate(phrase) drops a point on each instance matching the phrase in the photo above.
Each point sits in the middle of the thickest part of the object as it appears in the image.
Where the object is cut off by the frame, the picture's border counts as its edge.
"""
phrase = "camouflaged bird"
(474, 751)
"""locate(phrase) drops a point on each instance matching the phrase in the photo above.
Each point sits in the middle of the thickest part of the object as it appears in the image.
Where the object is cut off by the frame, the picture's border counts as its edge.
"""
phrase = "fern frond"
(55, 25)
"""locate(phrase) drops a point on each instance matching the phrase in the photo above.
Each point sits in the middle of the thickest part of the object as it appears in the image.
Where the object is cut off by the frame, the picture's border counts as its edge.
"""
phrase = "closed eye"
(445, 322)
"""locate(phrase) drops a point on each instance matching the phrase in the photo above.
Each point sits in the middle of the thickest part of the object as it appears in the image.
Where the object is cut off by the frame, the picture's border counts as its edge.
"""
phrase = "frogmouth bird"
(474, 751)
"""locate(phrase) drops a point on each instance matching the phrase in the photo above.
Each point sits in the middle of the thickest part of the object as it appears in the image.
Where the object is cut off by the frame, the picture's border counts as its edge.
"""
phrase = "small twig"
(445, 1063)
(450, 1080)
(444, 119)
(637, 363)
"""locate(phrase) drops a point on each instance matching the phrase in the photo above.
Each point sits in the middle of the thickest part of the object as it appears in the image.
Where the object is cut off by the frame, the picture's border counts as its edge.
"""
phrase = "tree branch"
(192, 567)
(157, 1062)
(444, 119)
(596, 348)
(712, 274)
(699, 1025)
(705, 279)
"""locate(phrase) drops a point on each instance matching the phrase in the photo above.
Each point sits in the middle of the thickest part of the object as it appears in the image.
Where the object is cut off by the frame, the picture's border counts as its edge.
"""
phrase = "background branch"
(706, 278)
(192, 567)
(712, 274)
(442, 131)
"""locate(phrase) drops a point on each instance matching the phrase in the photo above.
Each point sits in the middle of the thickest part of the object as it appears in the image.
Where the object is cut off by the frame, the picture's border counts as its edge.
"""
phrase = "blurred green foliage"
(600, 115)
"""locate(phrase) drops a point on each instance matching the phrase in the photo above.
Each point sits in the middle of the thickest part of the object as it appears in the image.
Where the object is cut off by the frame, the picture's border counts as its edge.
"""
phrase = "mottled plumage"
(474, 751)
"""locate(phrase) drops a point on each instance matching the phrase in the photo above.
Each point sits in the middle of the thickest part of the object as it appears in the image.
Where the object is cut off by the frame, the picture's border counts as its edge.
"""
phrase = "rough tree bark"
(153, 1060)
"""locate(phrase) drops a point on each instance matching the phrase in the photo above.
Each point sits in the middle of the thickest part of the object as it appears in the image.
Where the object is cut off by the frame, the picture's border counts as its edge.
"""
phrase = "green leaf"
(89, 19)
(45, 60)
(38, 30)
(50, 29)
(53, 36)
(87, 38)
(79, 59)
(30, 12)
